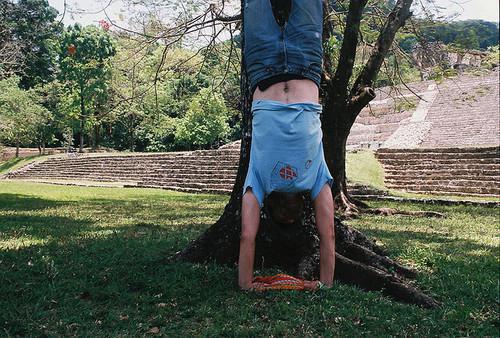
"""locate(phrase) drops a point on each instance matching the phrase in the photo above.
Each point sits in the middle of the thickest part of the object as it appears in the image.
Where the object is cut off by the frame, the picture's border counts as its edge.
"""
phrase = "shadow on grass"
(445, 243)
(17, 202)
(42, 226)
(87, 286)
(9, 164)
(112, 284)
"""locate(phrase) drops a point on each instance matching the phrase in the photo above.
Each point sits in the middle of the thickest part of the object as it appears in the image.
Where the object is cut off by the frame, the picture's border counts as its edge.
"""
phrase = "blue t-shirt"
(286, 154)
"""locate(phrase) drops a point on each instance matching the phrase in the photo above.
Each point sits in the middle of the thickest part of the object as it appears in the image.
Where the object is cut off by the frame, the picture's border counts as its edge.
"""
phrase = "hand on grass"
(311, 285)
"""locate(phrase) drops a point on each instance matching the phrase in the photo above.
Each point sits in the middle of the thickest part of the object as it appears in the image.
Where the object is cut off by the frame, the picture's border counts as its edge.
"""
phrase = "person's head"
(285, 208)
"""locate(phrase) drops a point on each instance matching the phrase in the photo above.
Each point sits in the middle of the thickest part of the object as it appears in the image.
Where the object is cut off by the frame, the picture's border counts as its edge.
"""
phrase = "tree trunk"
(82, 123)
(132, 135)
(335, 134)
(295, 249)
(17, 148)
(95, 137)
(82, 120)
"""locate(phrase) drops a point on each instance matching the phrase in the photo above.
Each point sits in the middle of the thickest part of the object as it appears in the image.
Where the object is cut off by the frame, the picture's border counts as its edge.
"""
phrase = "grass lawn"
(86, 262)
(362, 167)
(15, 163)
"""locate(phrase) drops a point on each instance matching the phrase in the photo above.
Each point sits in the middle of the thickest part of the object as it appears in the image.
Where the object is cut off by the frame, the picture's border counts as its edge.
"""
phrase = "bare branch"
(396, 20)
(348, 49)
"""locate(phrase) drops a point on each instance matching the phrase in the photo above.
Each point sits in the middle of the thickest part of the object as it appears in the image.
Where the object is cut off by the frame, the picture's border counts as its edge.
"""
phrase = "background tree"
(481, 34)
(22, 117)
(85, 68)
(205, 122)
(28, 40)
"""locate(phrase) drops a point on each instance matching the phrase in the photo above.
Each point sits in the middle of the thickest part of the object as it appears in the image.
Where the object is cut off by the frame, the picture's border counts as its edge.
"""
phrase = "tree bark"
(82, 119)
(95, 138)
(295, 248)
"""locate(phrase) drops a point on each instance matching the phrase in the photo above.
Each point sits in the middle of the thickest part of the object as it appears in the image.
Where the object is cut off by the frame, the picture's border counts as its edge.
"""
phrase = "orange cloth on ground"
(278, 282)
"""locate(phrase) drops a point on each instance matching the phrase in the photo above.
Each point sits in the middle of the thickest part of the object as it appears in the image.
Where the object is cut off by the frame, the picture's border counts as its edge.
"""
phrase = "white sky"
(466, 9)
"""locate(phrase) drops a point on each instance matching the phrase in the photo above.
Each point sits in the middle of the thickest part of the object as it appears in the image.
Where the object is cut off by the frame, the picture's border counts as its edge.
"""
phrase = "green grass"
(362, 167)
(15, 163)
(88, 262)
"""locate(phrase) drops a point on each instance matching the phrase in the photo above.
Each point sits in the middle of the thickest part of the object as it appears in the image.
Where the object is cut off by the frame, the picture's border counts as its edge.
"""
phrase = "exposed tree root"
(349, 207)
(392, 212)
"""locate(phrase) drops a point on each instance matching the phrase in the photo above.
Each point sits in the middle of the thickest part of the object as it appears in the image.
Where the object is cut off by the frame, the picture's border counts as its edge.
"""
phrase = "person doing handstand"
(283, 59)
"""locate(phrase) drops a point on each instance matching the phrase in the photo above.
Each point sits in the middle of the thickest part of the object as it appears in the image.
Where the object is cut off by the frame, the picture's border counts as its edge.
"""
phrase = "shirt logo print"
(283, 176)
(288, 173)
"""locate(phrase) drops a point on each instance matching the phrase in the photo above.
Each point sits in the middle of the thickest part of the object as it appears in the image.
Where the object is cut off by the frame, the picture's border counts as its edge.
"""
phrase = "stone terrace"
(378, 121)
(445, 171)
(201, 171)
(459, 112)
(197, 171)
(465, 113)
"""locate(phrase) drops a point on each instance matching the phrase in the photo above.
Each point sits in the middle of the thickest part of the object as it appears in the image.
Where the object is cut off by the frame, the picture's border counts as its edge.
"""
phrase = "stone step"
(389, 117)
(193, 176)
(79, 158)
(92, 168)
(433, 177)
(143, 158)
(436, 156)
(451, 190)
(489, 164)
(401, 179)
(444, 182)
(81, 174)
(197, 163)
(97, 165)
(185, 189)
(190, 185)
(439, 150)
(132, 162)
(214, 172)
(489, 171)
(447, 193)
(188, 180)
(112, 178)
(137, 166)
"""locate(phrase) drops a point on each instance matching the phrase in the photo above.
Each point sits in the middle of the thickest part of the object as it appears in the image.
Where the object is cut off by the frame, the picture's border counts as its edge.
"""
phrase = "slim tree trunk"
(17, 148)
(82, 120)
(82, 124)
(95, 137)
(132, 133)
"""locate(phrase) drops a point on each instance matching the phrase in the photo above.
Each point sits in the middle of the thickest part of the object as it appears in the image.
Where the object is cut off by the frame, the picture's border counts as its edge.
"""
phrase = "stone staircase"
(444, 171)
(95, 167)
(203, 171)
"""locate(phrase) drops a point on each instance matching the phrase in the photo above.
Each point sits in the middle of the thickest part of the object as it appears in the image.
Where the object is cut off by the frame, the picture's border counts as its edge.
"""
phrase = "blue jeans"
(295, 48)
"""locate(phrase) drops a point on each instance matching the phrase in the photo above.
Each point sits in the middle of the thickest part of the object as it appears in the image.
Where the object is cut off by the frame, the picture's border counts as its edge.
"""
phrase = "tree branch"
(348, 49)
(397, 19)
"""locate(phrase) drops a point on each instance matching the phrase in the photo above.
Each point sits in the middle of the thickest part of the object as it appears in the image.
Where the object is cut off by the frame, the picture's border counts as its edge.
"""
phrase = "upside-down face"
(286, 208)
